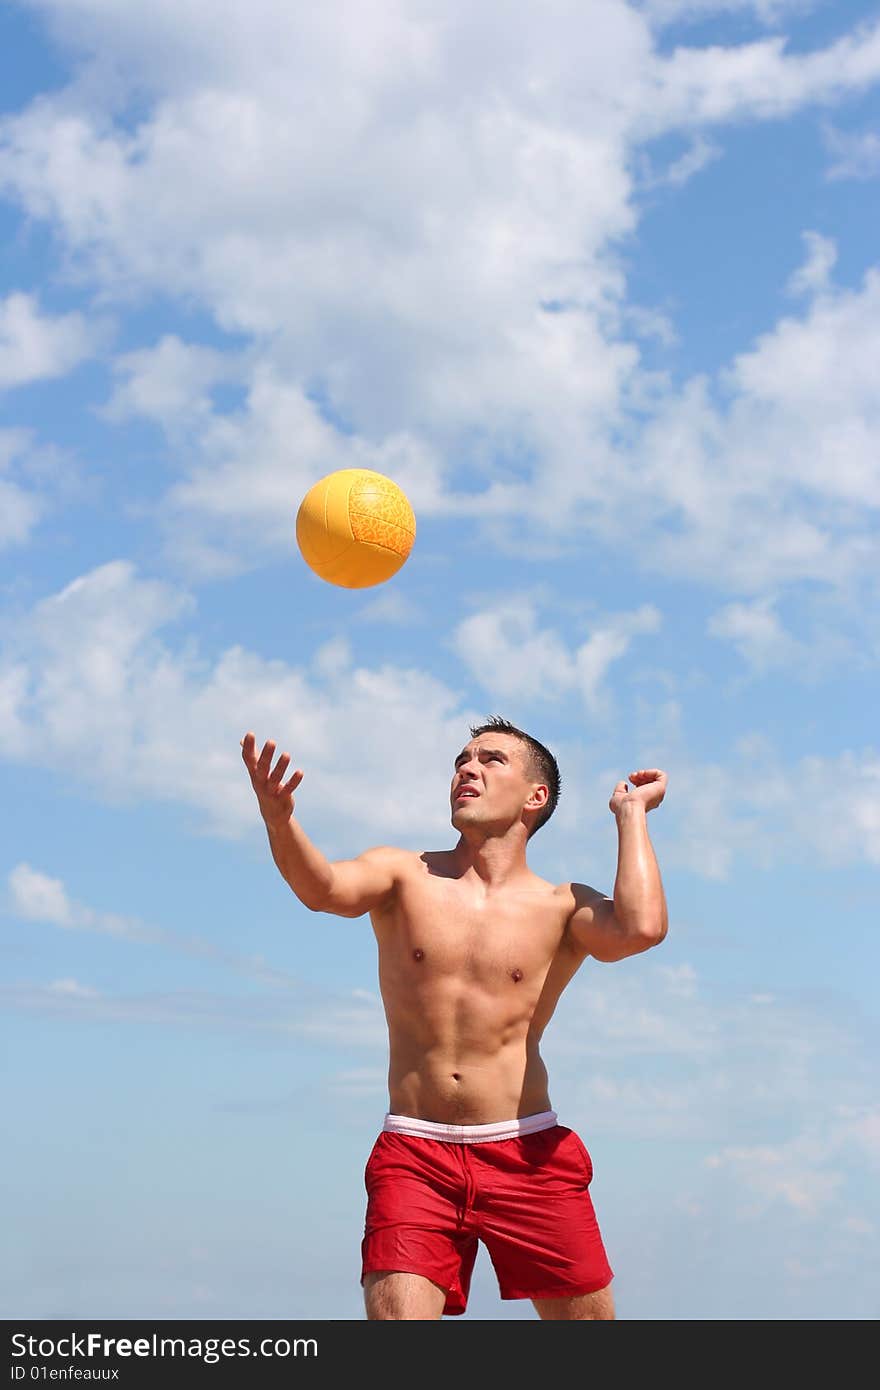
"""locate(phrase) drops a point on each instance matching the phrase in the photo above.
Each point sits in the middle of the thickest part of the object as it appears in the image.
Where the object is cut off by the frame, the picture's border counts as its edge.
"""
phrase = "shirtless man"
(474, 951)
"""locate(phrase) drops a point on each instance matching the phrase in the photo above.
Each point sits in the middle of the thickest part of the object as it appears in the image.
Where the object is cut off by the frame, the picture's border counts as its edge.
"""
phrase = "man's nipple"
(418, 954)
(516, 976)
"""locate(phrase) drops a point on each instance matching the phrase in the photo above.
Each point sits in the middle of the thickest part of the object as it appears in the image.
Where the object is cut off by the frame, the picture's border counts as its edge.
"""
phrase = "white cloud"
(170, 383)
(855, 154)
(36, 479)
(642, 1051)
(807, 1171)
(681, 980)
(19, 513)
(863, 1127)
(609, 642)
(757, 633)
(130, 714)
(814, 275)
(35, 346)
(459, 267)
(72, 989)
(859, 1226)
(778, 812)
(699, 86)
(812, 379)
(36, 897)
(762, 478)
(338, 1021)
(771, 477)
(700, 153)
(127, 713)
(503, 649)
(246, 469)
(763, 1175)
(391, 606)
(766, 11)
(411, 280)
(39, 898)
(508, 653)
(20, 507)
(655, 1054)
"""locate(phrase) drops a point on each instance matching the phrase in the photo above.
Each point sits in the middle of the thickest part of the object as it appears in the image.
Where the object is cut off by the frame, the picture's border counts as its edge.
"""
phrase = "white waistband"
(469, 1134)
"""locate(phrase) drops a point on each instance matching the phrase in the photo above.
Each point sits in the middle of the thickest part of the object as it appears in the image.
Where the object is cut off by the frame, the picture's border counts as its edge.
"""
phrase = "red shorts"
(430, 1203)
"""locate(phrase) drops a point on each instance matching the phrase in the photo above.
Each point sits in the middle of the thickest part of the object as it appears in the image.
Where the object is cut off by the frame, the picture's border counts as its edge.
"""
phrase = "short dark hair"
(542, 763)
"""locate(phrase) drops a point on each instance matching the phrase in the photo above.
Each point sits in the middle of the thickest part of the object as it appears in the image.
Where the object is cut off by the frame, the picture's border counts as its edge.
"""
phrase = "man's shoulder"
(391, 857)
(576, 895)
(388, 853)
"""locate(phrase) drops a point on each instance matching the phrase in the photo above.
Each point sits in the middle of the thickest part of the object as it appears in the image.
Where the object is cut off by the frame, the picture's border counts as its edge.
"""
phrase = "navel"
(516, 976)
(418, 954)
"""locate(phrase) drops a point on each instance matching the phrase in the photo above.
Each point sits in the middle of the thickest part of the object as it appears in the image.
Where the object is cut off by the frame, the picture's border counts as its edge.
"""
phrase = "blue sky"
(597, 284)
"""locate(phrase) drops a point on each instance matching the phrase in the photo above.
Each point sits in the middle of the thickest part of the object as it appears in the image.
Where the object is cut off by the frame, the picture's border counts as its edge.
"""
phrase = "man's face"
(490, 781)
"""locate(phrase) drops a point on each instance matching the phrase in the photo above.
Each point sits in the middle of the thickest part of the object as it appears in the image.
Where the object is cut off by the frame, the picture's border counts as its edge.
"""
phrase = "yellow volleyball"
(355, 528)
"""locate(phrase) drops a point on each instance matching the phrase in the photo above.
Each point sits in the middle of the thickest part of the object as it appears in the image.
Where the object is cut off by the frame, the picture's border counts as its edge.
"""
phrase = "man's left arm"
(636, 917)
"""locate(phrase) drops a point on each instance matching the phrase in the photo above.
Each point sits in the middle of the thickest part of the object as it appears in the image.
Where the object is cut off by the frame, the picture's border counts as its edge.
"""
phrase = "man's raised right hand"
(274, 795)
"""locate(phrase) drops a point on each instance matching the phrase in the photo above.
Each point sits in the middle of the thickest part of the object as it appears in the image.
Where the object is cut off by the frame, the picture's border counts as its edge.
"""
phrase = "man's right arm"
(347, 888)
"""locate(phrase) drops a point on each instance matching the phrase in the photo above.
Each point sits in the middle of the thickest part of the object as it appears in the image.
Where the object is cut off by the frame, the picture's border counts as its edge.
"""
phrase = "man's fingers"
(280, 768)
(261, 768)
(248, 753)
(264, 762)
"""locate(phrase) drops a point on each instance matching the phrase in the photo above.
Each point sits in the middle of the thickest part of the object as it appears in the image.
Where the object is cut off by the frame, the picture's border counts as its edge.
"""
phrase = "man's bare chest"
(437, 923)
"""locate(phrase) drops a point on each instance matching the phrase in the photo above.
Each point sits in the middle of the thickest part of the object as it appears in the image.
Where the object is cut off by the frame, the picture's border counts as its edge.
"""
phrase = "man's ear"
(539, 797)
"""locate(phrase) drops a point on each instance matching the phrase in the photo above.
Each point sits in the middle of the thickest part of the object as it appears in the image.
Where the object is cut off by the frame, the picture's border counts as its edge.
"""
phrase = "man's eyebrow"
(498, 751)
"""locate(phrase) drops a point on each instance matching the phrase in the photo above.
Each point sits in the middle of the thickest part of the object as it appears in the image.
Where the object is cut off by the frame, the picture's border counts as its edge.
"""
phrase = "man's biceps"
(594, 915)
(350, 874)
(377, 868)
(587, 900)
(362, 876)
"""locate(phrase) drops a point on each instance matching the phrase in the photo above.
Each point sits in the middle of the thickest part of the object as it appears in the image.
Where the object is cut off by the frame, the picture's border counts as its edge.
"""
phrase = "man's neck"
(493, 859)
